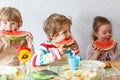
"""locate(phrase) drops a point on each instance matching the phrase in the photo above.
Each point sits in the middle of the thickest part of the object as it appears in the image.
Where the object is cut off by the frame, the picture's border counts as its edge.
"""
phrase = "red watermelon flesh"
(16, 35)
(104, 45)
(68, 42)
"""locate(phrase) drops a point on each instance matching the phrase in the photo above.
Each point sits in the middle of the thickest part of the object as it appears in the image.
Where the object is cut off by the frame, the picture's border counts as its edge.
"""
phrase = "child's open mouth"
(9, 31)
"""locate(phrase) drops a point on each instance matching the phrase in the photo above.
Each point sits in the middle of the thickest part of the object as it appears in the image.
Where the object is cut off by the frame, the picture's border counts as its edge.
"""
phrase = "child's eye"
(104, 33)
(5, 22)
(13, 23)
(110, 32)
(65, 32)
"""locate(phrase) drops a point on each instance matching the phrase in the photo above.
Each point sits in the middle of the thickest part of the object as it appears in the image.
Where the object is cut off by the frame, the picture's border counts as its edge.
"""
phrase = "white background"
(34, 13)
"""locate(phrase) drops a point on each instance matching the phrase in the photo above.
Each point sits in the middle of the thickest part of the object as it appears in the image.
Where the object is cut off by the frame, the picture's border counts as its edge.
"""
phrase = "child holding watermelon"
(10, 37)
(103, 47)
(57, 27)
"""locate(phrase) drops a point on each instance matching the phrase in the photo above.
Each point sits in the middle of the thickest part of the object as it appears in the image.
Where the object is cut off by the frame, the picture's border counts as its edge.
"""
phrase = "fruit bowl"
(84, 74)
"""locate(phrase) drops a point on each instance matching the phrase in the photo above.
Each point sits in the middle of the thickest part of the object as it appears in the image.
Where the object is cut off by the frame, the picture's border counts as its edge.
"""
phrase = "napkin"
(41, 75)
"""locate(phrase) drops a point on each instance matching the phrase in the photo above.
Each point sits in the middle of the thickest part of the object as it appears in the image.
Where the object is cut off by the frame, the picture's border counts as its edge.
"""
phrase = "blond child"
(11, 21)
(102, 31)
(57, 28)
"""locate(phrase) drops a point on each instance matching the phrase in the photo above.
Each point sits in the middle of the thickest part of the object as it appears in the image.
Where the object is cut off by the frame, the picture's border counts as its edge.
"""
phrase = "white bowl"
(8, 70)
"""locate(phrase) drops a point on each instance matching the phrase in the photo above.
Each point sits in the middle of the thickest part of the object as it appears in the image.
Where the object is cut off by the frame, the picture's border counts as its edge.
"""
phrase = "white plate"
(7, 70)
(93, 63)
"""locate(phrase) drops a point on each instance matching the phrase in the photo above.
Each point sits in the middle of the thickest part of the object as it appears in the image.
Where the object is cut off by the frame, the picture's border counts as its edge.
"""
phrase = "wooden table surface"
(116, 64)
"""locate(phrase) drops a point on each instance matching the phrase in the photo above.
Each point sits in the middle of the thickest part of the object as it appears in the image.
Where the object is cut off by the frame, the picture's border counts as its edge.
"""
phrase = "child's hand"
(29, 39)
(75, 46)
(1, 34)
(97, 52)
(114, 48)
(62, 49)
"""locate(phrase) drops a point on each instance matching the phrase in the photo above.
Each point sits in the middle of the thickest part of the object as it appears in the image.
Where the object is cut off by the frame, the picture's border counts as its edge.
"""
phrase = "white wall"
(34, 12)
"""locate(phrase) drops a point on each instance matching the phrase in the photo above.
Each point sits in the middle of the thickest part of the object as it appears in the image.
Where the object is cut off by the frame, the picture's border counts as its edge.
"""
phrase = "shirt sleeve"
(42, 56)
(116, 55)
(89, 51)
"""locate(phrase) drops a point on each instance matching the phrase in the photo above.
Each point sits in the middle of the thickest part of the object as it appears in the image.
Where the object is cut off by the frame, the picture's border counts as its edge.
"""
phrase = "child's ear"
(52, 36)
(95, 34)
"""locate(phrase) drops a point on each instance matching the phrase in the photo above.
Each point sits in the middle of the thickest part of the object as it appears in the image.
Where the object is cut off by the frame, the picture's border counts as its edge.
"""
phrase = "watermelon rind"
(14, 37)
(68, 45)
(106, 49)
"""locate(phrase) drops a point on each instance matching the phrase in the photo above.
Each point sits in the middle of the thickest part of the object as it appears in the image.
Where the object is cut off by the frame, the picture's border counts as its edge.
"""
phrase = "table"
(116, 64)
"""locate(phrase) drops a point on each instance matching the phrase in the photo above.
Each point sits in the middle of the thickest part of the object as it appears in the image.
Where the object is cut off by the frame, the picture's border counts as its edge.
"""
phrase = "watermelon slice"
(68, 42)
(16, 35)
(103, 45)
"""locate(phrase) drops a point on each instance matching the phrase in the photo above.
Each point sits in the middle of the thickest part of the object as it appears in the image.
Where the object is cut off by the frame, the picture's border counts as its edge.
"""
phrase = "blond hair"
(10, 14)
(54, 24)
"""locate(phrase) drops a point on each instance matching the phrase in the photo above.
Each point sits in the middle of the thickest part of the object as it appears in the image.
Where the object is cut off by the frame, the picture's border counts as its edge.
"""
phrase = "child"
(11, 20)
(102, 31)
(57, 27)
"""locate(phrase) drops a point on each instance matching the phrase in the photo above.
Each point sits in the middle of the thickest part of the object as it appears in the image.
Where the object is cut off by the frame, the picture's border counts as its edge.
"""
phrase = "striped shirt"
(48, 53)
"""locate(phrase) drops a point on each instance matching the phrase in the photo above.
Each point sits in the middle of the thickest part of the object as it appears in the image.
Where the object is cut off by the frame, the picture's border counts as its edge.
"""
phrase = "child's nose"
(8, 27)
(108, 34)
(68, 34)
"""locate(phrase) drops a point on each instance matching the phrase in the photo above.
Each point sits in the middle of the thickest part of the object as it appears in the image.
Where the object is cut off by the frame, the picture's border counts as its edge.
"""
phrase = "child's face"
(9, 25)
(63, 34)
(104, 32)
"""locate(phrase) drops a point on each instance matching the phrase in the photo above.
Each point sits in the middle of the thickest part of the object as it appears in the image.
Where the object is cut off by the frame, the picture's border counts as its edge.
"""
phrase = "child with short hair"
(57, 27)
(102, 31)
(11, 21)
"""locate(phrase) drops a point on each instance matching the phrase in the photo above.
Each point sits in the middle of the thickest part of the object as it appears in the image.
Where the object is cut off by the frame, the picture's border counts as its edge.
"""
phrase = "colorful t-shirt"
(48, 53)
(105, 56)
